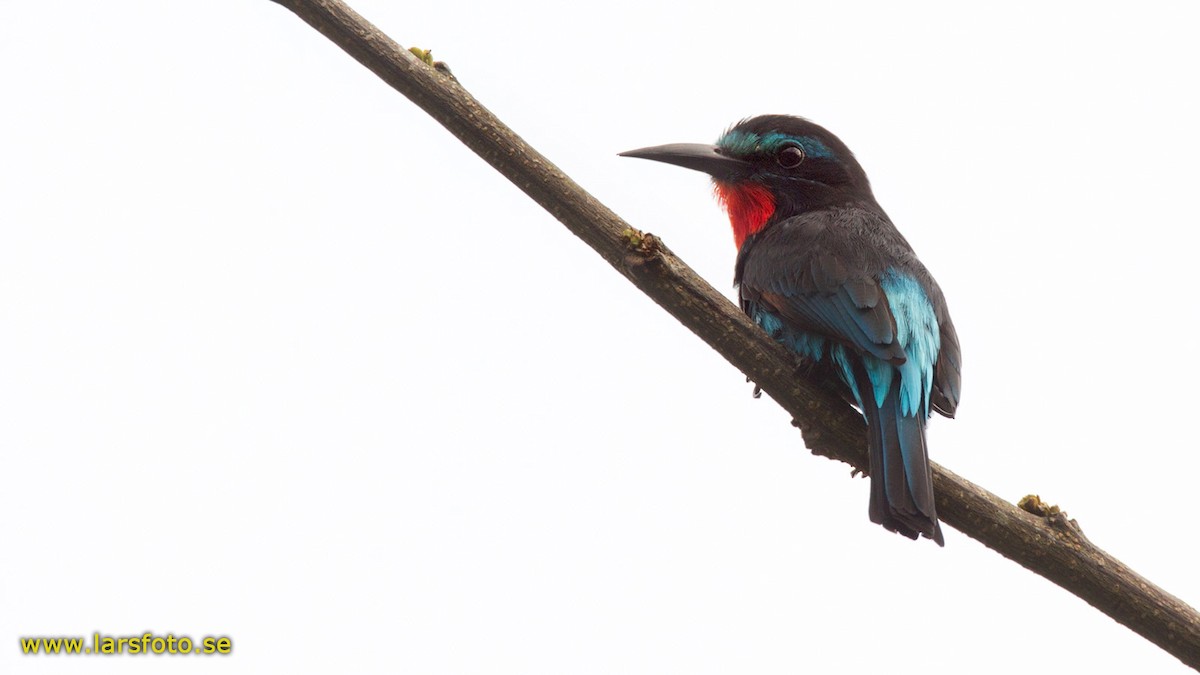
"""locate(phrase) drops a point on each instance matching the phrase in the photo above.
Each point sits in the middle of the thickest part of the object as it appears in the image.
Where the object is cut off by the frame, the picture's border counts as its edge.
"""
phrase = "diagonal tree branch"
(1048, 543)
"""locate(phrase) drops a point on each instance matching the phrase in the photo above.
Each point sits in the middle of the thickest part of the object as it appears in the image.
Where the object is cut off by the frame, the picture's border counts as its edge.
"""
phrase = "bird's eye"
(790, 157)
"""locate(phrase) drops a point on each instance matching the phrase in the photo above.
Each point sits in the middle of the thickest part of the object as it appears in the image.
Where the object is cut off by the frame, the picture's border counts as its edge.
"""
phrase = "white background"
(281, 360)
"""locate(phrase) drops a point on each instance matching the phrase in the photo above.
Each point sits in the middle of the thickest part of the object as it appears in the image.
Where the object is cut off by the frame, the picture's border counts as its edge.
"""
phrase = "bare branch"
(1048, 544)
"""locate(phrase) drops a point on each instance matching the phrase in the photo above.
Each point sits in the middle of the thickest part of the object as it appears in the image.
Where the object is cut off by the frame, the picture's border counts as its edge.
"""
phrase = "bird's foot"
(757, 389)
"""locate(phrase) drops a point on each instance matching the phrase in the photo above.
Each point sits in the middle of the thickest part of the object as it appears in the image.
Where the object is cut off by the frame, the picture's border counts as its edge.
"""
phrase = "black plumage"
(822, 269)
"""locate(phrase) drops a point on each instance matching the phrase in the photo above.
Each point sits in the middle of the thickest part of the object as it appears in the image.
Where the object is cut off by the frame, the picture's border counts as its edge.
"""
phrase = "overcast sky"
(281, 360)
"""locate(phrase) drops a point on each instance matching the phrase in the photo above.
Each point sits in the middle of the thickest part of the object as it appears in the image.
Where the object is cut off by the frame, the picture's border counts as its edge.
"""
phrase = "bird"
(821, 268)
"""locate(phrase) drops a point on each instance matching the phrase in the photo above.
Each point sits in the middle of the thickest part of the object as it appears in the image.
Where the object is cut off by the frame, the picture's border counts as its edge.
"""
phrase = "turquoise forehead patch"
(743, 143)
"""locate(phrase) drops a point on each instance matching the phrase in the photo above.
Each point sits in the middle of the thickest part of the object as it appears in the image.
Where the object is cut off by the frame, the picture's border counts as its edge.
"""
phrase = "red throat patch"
(749, 205)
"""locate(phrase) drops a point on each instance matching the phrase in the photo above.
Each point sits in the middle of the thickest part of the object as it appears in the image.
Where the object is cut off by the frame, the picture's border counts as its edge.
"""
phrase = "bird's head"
(769, 168)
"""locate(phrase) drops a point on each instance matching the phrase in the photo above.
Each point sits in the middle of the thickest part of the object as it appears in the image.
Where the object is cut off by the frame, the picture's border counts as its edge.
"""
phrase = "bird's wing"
(860, 319)
(815, 288)
(947, 372)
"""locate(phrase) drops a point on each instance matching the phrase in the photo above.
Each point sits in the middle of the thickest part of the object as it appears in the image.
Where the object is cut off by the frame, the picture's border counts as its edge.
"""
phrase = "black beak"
(706, 158)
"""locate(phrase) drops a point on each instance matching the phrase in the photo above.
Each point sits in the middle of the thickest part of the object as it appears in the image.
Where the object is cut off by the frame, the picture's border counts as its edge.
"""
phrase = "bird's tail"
(901, 479)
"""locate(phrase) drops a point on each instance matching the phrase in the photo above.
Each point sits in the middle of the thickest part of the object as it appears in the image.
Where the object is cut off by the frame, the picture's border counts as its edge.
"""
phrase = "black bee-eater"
(821, 268)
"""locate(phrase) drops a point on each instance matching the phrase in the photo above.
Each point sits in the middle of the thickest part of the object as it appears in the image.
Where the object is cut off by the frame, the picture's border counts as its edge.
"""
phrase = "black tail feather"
(901, 479)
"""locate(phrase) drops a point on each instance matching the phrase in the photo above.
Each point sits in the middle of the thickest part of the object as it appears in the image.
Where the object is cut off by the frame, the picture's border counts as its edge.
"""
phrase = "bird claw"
(757, 389)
